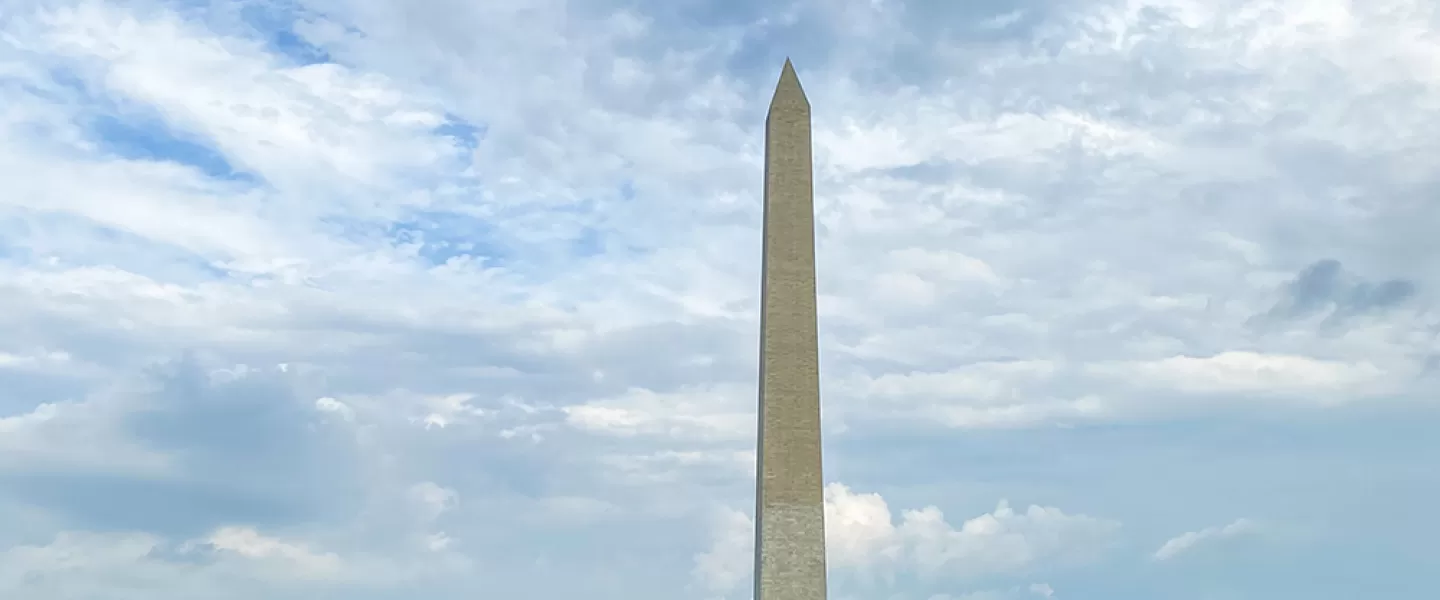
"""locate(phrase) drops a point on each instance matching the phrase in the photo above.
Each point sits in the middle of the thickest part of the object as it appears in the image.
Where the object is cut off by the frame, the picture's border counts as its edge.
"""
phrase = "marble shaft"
(789, 494)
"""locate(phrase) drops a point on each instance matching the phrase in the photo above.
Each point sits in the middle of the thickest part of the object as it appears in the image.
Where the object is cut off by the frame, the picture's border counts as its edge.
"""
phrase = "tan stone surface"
(790, 513)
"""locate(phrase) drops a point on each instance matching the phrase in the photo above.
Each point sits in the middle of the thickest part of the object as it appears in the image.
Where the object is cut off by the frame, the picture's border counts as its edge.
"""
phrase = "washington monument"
(789, 495)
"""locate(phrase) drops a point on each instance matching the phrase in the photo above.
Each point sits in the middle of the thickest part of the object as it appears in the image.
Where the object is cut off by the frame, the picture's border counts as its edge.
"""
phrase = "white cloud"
(33, 360)
(446, 410)
(295, 558)
(1250, 372)
(670, 465)
(59, 565)
(126, 565)
(302, 128)
(1034, 590)
(729, 561)
(75, 436)
(331, 405)
(229, 562)
(864, 538)
(717, 413)
(1187, 541)
(433, 500)
(509, 250)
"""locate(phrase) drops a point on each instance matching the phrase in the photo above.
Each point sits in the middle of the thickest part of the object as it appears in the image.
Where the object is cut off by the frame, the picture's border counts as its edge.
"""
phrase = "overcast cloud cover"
(382, 299)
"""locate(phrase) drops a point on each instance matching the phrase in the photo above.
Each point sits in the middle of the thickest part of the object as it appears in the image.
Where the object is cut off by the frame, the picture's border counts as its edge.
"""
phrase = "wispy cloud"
(1187, 541)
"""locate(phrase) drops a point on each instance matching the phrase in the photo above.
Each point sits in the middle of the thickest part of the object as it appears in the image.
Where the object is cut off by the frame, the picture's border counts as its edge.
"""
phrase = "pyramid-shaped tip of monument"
(788, 90)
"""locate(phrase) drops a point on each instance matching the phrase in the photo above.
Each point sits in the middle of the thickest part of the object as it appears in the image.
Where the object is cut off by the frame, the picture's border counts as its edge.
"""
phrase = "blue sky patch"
(444, 235)
(465, 134)
(274, 21)
(149, 139)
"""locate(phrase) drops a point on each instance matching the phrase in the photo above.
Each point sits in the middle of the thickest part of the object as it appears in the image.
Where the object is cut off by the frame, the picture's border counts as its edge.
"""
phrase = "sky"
(383, 299)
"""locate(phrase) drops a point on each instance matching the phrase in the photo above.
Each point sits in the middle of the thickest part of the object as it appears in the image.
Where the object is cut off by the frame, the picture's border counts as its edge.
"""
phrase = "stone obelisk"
(789, 495)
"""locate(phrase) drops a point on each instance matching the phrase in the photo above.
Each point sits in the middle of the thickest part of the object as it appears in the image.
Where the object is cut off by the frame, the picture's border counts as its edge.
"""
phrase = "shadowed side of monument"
(789, 494)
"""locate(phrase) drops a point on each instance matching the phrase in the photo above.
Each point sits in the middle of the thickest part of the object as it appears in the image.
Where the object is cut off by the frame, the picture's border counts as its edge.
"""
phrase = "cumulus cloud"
(1002, 541)
(729, 561)
(864, 538)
